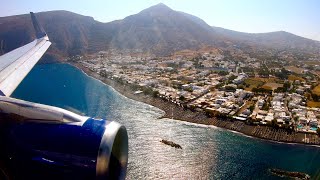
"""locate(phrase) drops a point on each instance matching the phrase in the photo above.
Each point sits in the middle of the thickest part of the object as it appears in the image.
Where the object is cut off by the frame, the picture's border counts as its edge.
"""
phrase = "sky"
(300, 17)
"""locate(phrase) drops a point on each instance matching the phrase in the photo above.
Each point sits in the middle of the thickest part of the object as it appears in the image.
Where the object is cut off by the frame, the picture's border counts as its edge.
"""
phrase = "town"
(275, 93)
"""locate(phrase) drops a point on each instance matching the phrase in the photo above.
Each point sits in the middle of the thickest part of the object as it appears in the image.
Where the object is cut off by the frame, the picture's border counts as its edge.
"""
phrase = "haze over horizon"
(294, 16)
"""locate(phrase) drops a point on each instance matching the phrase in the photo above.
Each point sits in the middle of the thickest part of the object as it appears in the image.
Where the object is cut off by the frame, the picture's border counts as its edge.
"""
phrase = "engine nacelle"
(72, 147)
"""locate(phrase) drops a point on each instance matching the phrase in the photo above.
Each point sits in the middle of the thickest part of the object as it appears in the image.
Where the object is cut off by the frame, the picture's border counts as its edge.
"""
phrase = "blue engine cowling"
(93, 149)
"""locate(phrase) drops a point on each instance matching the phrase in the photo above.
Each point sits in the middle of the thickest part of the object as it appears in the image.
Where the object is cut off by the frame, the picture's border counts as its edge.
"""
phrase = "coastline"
(179, 113)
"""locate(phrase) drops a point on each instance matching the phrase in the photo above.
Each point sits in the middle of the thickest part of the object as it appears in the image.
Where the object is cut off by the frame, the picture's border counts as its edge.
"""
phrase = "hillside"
(65, 29)
(158, 30)
(279, 40)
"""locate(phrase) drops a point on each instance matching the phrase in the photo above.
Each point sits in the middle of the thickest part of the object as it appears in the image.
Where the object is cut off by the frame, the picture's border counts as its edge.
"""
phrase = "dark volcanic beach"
(174, 111)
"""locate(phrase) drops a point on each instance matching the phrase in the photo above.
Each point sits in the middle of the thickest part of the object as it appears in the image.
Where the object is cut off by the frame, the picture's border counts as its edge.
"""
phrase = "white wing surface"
(16, 64)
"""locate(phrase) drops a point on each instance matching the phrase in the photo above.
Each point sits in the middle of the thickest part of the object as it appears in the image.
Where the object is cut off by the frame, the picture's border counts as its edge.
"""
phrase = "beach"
(174, 111)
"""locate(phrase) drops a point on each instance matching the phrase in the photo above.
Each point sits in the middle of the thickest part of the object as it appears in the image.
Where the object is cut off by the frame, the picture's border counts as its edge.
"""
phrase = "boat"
(170, 143)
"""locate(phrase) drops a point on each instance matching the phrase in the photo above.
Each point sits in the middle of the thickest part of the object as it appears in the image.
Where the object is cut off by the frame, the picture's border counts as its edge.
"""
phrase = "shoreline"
(173, 111)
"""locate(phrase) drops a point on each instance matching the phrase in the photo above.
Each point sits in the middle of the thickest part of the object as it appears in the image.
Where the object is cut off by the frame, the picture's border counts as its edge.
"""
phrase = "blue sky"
(301, 17)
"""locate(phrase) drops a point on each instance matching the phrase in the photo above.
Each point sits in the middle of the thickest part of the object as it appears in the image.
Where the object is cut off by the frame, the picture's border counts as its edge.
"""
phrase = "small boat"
(170, 143)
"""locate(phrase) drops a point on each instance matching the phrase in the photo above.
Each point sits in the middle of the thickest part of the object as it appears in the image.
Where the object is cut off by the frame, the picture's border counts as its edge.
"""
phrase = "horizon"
(252, 17)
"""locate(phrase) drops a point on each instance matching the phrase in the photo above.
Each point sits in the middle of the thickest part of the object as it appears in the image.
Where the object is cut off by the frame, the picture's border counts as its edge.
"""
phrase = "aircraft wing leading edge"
(16, 64)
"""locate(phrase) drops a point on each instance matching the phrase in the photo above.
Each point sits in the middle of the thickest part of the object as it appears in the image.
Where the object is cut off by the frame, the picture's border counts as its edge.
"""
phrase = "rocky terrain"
(158, 30)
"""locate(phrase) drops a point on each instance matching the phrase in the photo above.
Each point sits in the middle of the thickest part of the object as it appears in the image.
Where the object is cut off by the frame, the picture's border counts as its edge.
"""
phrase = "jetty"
(170, 143)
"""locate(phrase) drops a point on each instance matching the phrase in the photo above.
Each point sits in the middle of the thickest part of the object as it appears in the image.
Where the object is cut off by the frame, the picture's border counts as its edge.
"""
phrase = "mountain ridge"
(158, 30)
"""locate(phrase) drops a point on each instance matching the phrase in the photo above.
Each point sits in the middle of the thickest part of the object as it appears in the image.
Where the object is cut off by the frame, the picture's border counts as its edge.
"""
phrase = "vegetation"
(280, 90)
(261, 90)
(313, 104)
(294, 77)
(147, 90)
(316, 90)
(315, 97)
(197, 63)
(150, 91)
(271, 86)
(232, 77)
(251, 108)
(155, 93)
(218, 86)
(223, 73)
(189, 89)
(182, 98)
(263, 71)
(251, 83)
(240, 86)
(248, 70)
(192, 108)
(274, 123)
(230, 88)
(265, 107)
(283, 74)
(104, 73)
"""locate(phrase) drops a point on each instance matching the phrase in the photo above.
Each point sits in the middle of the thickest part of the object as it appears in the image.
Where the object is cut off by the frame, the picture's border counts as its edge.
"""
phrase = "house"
(300, 91)
(260, 103)
(269, 117)
(280, 121)
(240, 78)
(224, 110)
(220, 101)
(246, 112)
(313, 123)
(303, 121)
(260, 117)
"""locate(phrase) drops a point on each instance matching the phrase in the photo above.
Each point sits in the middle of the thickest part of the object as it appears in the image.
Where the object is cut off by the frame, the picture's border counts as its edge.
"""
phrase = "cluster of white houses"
(223, 102)
(195, 88)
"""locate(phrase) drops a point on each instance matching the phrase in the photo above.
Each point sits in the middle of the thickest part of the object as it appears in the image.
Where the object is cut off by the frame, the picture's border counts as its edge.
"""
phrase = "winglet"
(40, 33)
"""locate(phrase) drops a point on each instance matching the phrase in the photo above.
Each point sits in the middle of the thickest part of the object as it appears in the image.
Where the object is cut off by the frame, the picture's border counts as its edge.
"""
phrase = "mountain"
(279, 40)
(70, 33)
(17, 30)
(158, 30)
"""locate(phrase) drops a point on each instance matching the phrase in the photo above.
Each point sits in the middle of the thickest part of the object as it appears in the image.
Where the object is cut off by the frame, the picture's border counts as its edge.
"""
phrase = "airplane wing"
(16, 64)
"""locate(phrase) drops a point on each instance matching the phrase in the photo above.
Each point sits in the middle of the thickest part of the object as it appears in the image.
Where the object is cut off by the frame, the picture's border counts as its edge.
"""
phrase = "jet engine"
(46, 142)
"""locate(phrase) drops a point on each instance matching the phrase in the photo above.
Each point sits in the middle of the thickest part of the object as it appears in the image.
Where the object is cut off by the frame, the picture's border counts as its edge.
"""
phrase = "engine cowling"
(48, 149)
(97, 149)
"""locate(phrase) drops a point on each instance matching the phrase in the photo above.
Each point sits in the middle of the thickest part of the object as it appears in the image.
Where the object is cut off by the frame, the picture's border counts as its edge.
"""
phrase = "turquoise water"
(208, 153)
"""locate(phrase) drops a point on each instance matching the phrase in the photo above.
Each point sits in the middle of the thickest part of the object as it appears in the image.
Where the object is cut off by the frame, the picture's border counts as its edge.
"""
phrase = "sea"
(207, 152)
